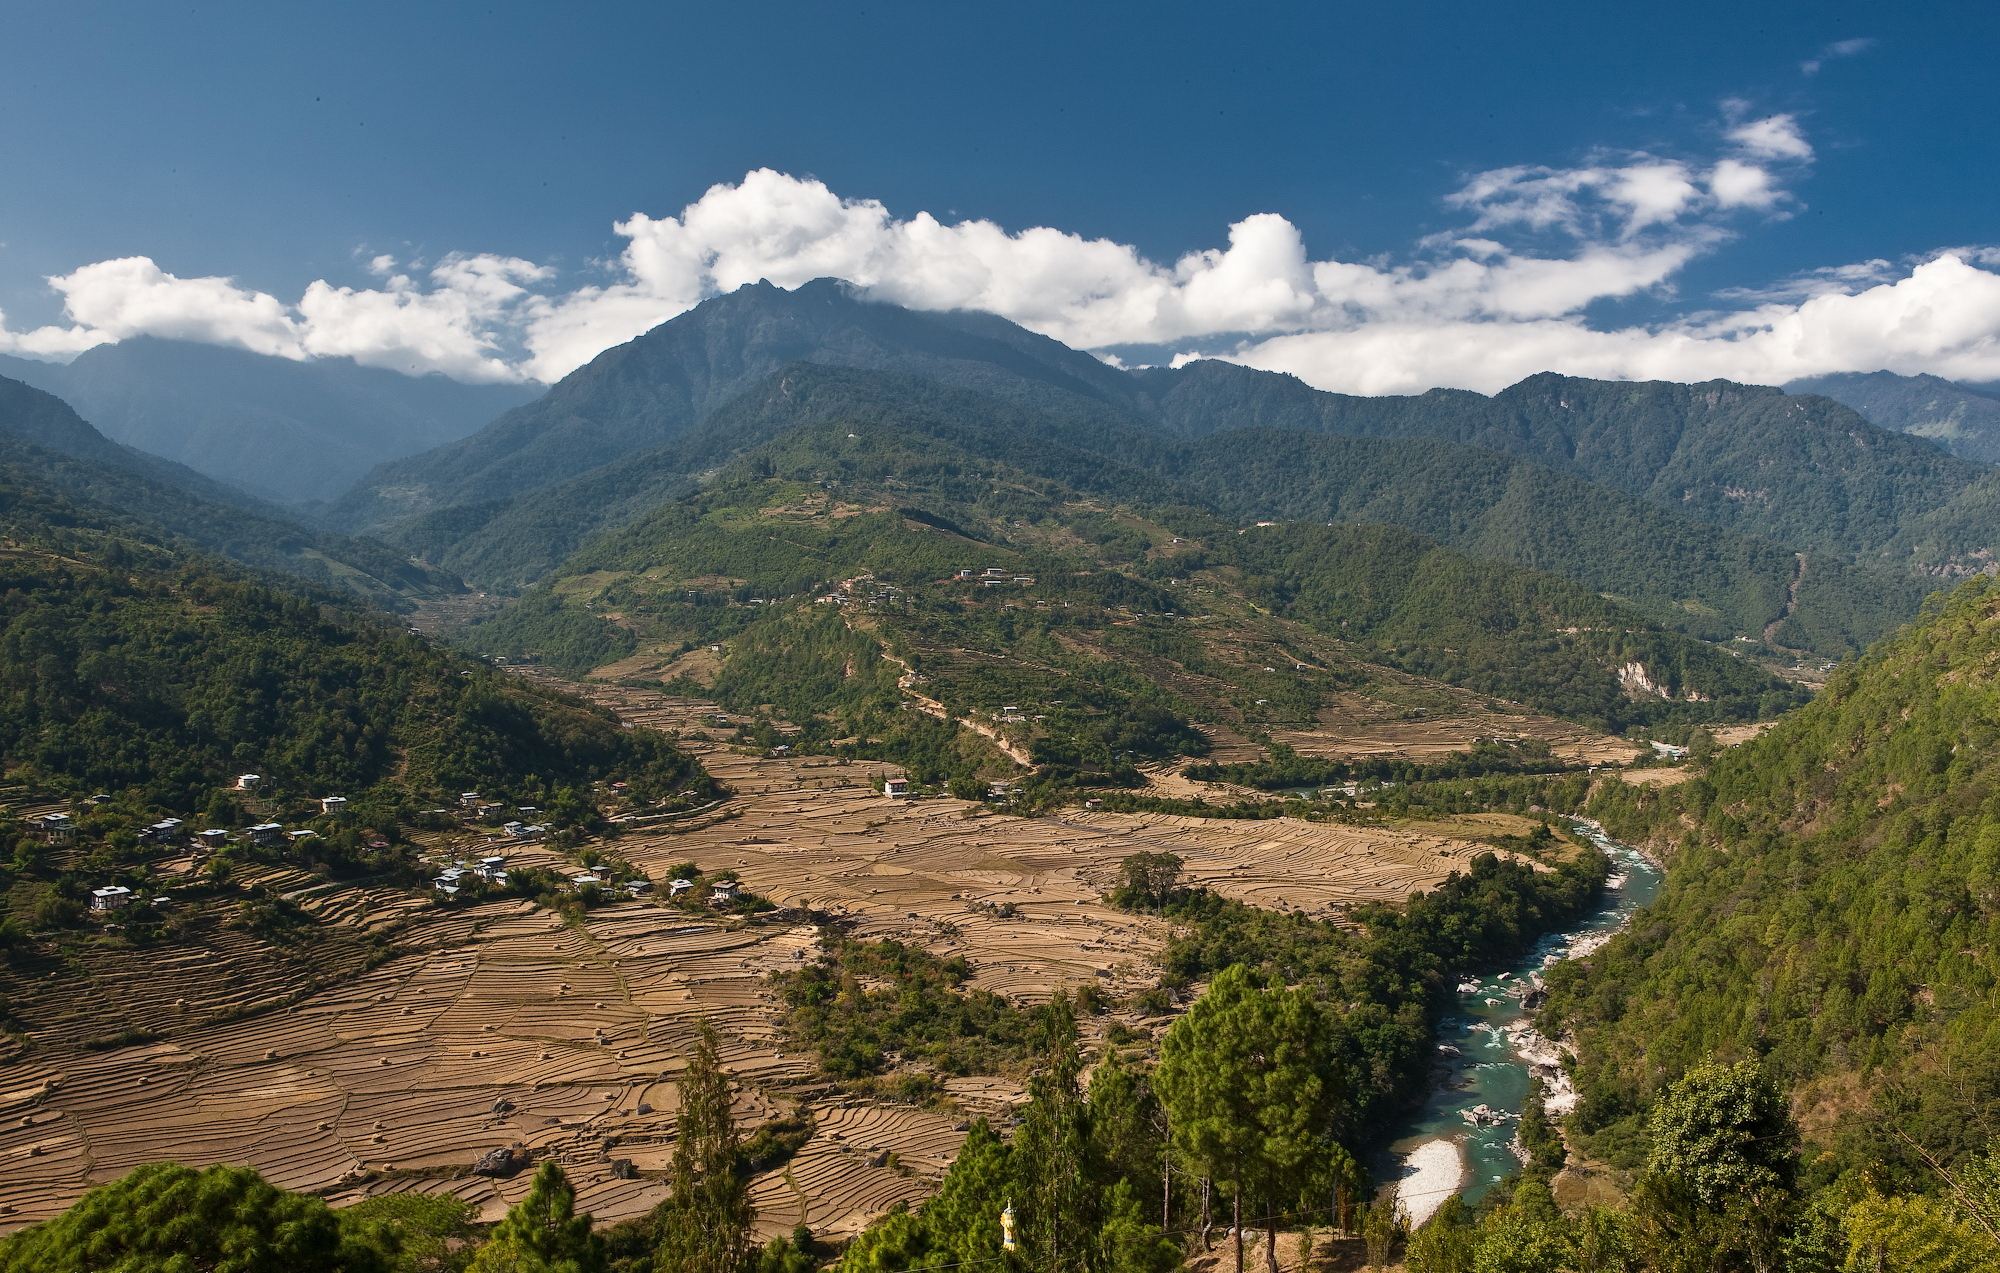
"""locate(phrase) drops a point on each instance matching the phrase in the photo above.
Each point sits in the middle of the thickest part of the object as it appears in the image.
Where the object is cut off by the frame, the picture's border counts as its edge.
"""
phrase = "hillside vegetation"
(128, 663)
(1833, 908)
(825, 568)
(1679, 572)
(45, 444)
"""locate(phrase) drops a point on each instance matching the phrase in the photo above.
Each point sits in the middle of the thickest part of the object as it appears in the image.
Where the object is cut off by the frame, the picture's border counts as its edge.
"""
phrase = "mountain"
(44, 442)
(295, 432)
(1963, 419)
(1676, 570)
(1832, 906)
(826, 564)
(659, 385)
(1806, 471)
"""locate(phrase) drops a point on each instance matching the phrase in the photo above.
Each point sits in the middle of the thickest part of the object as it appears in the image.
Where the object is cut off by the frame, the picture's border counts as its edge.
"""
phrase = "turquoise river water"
(1463, 1139)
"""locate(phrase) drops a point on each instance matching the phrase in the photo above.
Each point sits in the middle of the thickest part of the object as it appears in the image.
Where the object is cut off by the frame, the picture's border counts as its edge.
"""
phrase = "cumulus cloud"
(1502, 296)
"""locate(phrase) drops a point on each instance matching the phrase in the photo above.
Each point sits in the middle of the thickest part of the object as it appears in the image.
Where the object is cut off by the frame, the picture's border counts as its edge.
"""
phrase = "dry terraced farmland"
(502, 1025)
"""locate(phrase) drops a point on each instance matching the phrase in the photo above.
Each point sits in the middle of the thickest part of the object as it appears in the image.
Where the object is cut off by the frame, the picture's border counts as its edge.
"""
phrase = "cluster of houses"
(491, 869)
(994, 576)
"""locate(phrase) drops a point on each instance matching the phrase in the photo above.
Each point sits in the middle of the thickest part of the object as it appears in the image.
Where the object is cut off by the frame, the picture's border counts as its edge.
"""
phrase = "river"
(1453, 1145)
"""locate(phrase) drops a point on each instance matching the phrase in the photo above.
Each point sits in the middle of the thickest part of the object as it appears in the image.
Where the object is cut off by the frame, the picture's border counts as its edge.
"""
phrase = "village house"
(249, 782)
(266, 835)
(468, 799)
(332, 804)
(578, 881)
(678, 888)
(166, 831)
(296, 836)
(895, 787)
(639, 888)
(56, 828)
(112, 898)
(490, 867)
(723, 892)
(213, 838)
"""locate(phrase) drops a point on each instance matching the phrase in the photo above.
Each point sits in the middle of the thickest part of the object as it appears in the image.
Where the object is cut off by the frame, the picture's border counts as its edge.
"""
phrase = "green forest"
(826, 567)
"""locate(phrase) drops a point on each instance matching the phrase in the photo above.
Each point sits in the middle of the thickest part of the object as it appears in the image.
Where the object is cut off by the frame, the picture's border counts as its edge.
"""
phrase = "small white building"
(249, 782)
(578, 881)
(115, 897)
(56, 828)
(296, 836)
(723, 892)
(489, 867)
(895, 788)
(639, 888)
(332, 804)
(213, 838)
(468, 799)
(266, 835)
(165, 831)
(678, 888)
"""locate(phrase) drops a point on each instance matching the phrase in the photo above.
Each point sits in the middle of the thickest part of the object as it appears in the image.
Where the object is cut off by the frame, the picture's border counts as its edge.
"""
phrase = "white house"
(676, 888)
(110, 899)
(213, 838)
(895, 787)
(267, 835)
(722, 892)
(249, 782)
(332, 804)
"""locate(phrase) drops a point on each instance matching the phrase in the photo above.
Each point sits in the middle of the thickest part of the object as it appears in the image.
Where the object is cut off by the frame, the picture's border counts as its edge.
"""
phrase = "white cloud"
(1777, 137)
(1838, 49)
(1503, 296)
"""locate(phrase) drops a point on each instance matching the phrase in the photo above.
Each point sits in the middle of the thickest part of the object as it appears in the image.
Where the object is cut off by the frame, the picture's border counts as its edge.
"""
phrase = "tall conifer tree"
(1054, 1155)
(704, 1225)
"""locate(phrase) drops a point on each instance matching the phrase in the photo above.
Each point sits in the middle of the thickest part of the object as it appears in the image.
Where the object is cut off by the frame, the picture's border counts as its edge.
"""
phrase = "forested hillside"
(1801, 470)
(1679, 572)
(825, 564)
(131, 666)
(45, 444)
(1833, 908)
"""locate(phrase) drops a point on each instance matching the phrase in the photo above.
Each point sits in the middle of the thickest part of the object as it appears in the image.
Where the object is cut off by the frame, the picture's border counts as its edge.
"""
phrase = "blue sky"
(275, 145)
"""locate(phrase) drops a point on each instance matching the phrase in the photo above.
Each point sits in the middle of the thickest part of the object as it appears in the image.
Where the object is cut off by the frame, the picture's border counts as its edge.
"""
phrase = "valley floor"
(502, 1025)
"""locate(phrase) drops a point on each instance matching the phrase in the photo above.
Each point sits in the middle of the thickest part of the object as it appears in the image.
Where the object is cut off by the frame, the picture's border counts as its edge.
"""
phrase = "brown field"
(502, 1025)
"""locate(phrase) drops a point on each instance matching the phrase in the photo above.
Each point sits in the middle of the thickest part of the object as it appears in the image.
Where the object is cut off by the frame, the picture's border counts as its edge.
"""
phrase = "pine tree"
(962, 1222)
(543, 1233)
(1054, 1154)
(166, 1216)
(704, 1225)
(1127, 1126)
(1248, 1081)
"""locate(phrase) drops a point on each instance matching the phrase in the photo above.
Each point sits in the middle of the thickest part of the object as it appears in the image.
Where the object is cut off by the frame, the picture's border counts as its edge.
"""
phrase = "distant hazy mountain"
(44, 443)
(289, 431)
(1963, 419)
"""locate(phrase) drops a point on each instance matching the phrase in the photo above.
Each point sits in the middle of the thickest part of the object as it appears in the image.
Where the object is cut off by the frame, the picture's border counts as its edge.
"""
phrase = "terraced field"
(502, 1025)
